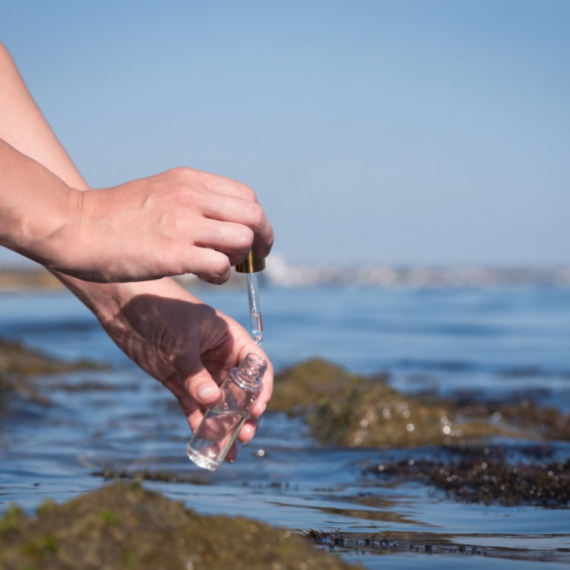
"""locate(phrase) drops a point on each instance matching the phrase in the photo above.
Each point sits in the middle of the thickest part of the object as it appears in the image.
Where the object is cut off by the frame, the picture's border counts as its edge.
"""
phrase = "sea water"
(478, 343)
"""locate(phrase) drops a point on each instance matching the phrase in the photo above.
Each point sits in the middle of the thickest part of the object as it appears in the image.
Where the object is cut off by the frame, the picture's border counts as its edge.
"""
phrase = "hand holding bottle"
(223, 420)
(179, 340)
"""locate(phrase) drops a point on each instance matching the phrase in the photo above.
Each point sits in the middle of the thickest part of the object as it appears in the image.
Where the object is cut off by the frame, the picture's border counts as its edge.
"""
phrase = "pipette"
(252, 265)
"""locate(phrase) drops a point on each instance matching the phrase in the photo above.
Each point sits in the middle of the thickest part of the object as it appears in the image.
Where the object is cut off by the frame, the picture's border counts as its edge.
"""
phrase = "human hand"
(185, 344)
(180, 221)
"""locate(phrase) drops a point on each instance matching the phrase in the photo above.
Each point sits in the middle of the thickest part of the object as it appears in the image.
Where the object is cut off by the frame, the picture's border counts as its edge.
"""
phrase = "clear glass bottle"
(222, 422)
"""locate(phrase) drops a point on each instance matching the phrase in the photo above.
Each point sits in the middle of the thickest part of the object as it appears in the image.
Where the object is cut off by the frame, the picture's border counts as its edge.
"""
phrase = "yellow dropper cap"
(252, 264)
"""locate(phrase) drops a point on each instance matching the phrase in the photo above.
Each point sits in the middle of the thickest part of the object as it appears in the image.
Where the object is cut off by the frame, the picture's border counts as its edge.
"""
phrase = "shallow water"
(489, 344)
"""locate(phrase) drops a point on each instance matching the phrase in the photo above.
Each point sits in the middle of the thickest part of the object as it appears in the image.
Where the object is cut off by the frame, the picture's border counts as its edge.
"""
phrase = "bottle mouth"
(253, 366)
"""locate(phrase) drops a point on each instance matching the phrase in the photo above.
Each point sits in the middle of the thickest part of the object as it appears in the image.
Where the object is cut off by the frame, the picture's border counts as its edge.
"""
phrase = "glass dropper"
(251, 266)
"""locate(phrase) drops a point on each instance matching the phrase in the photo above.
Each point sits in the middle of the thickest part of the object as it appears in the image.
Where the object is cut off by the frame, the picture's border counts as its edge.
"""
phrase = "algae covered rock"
(302, 386)
(354, 411)
(18, 363)
(124, 526)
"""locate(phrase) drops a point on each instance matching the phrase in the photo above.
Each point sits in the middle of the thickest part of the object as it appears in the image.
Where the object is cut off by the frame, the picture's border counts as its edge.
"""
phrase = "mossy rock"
(19, 363)
(298, 388)
(124, 526)
(354, 411)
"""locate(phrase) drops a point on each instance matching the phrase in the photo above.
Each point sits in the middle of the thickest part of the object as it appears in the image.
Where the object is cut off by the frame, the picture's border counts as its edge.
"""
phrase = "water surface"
(484, 343)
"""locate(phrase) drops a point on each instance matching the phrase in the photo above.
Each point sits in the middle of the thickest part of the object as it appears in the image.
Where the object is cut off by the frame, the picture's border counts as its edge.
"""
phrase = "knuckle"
(219, 268)
(179, 171)
(180, 179)
(247, 192)
(175, 174)
(257, 216)
(245, 238)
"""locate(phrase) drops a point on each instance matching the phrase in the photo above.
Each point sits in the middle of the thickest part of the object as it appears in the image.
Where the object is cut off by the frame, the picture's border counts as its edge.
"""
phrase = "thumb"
(202, 387)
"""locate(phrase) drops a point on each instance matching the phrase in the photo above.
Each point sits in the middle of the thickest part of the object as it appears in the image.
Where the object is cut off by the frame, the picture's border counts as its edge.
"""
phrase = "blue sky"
(373, 132)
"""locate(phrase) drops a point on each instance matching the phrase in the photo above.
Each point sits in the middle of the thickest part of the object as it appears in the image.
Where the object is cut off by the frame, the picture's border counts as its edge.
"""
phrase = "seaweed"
(355, 411)
(485, 475)
(124, 526)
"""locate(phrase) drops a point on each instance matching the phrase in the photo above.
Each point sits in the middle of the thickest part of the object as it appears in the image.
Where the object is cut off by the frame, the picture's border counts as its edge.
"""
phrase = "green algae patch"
(124, 526)
(355, 411)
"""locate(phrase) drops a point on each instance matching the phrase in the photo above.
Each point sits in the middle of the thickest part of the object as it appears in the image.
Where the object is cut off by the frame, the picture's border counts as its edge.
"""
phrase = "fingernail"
(207, 391)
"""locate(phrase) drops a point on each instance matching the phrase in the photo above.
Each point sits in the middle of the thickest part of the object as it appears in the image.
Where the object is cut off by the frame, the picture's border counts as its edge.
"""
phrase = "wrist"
(37, 208)
(107, 300)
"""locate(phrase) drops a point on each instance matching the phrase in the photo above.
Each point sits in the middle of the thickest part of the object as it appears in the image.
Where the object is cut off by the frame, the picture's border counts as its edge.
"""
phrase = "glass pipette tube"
(250, 267)
(254, 308)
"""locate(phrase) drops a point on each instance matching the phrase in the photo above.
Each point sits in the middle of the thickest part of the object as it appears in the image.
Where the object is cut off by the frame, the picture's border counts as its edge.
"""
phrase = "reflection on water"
(495, 343)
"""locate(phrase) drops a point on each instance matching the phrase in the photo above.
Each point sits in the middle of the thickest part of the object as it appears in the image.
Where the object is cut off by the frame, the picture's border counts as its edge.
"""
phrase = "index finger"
(263, 232)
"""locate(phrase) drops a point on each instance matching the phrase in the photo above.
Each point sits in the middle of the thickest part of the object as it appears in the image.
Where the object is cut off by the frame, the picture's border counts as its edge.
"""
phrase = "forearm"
(23, 126)
(36, 206)
(36, 174)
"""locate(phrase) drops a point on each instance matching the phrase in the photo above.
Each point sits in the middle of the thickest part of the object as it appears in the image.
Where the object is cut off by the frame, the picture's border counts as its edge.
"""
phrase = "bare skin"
(180, 221)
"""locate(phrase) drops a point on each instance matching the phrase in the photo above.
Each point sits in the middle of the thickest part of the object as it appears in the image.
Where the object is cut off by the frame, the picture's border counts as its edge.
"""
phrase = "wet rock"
(298, 388)
(547, 422)
(484, 475)
(124, 526)
(354, 411)
(19, 363)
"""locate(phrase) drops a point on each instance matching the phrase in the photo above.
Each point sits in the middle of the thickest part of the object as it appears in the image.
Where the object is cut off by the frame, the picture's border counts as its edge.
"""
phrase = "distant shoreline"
(36, 278)
(17, 279)
(280, 274)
